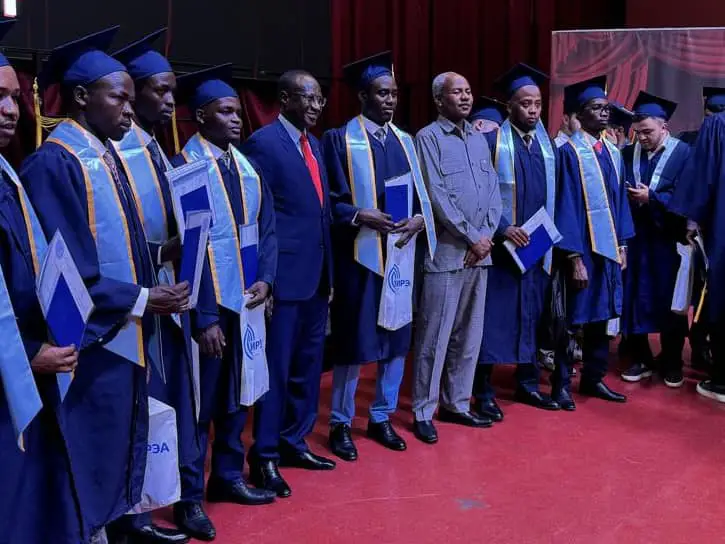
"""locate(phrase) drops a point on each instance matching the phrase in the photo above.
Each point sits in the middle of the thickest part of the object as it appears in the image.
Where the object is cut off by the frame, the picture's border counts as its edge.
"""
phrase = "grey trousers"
(448, 337)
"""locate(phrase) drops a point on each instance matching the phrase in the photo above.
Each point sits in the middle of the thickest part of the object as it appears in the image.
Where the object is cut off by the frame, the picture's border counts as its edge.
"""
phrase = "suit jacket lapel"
(292, 149)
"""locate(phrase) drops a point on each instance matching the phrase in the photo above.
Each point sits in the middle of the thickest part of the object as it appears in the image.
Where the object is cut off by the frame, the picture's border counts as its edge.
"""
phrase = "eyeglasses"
(312, 98)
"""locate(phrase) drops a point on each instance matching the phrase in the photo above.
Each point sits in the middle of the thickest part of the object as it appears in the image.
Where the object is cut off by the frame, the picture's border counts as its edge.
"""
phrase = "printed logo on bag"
(252, 346)
(395, 281)
(155, 448)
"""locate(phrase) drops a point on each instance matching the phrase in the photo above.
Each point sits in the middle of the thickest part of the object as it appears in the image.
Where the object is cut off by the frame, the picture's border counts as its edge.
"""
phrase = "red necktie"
(598, 147)
(312, 166)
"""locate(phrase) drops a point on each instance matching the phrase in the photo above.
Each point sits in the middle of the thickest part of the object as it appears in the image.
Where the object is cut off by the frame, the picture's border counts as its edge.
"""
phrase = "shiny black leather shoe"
(383, 433)
(464, 418)
(536, 399)
(237, 492)
(489, 409)
(601, 391)
(341, 442)
(148, 534)
(425, 431)
(265, 475)
(191, 518)
(564, 400)
(306, 460)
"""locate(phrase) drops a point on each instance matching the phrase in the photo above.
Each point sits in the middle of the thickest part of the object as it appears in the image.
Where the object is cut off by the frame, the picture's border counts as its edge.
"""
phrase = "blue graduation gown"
(356, 337)
(29, 509)
(218, 397)
(178, 390)
(601, 300)
(515, 302)
(652, 258)
(700, 195)
(104, 418)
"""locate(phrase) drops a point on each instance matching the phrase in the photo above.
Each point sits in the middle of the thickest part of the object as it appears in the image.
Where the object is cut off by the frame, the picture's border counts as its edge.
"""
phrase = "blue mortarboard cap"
(82, 61)
(714, 96)
(490, 109)
(200, 88)
(141, 59)
(620, 116)
(650, 105)
(578, 94)
(5, 27)
(363, 72)
(519, 76)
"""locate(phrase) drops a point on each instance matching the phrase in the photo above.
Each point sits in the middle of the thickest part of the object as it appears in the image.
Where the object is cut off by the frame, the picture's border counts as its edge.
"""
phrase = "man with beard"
(653, 167)
(363, 227)
(77, 187)
(241, 200)
(593, 216)
(463, 188)
(526, 160)
(291, 162)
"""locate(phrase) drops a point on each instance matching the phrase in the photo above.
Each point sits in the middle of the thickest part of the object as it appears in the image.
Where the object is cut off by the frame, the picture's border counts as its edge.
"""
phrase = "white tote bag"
(396, 299)
(682, 295)
(162, 483)
(255, 374)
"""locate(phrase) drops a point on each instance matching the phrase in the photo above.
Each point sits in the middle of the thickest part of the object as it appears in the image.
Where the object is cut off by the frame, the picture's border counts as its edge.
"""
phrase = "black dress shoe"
(306, 460)
(191, 518)
(425, 432)
(464, 418)
(152, 534)
(341, 442)
(265, 475)
(563, 398)
(489, 409)
(237, 492)
(384, 434)
(600, 391)
(536, 399)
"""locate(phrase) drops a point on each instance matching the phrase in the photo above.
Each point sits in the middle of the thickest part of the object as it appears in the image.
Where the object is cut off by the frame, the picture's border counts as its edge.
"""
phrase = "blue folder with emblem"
(193, 249)
(398, 197)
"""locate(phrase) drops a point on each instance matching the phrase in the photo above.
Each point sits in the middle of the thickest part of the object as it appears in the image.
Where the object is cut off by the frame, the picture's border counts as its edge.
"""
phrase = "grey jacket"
(463, 188)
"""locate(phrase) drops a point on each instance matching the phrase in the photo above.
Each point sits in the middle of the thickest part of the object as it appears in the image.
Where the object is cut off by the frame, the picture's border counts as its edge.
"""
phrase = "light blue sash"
(506, 168)
(106, 219)
(225, 257)
(17, 378)
(361, 172)
(145, 183)
(602, 233)
(669, 144)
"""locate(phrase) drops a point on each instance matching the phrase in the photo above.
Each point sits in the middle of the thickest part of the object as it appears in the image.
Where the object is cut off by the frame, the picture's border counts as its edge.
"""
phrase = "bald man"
(463, 187)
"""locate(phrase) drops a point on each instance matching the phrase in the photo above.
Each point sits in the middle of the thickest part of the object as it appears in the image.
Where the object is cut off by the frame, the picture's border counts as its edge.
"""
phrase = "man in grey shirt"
(463, 187)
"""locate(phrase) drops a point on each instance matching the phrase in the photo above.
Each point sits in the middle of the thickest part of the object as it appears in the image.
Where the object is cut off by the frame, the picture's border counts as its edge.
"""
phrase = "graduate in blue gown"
(74, 183)
(357, 338)
(653, 167)
(594, 218)
(700, 197)
(240, 198)
(146, 165)
(34, 457)
(526, 161)
(487, 114)
(701, 358)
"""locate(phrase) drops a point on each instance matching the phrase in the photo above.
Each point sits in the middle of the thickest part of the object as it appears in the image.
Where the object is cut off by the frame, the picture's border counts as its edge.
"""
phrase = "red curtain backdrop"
(625, 56)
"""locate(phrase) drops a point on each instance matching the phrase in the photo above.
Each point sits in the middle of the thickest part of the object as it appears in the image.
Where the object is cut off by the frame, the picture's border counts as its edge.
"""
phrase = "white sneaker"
(708, 390)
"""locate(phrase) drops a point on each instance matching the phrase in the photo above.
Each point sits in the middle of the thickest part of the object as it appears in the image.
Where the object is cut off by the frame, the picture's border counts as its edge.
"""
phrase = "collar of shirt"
(449, 126)
(216, 151)
(521, 133)
(294, 133)
(372, 127)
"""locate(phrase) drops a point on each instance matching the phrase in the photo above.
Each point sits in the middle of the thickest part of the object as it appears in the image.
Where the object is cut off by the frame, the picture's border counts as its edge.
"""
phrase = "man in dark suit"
(290, 161)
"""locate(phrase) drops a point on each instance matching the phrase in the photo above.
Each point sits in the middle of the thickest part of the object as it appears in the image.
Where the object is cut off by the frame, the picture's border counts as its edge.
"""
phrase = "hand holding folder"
(542, 234)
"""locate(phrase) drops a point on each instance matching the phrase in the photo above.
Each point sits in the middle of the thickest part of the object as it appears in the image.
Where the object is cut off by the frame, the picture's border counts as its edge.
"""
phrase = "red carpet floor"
(649, 471)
